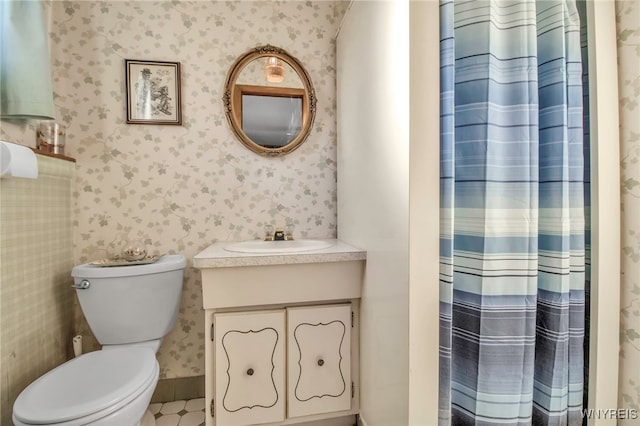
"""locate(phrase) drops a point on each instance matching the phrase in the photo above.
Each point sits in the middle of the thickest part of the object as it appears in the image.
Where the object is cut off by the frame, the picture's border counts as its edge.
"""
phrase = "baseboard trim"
(177, 389)
(361, 420)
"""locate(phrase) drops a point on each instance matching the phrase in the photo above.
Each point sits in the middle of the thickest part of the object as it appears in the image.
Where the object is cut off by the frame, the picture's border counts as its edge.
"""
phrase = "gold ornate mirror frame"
(233, 95)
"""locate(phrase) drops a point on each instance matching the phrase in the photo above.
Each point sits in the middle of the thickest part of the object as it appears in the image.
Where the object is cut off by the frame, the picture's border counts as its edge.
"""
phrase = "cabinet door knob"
(320, 362)
(250, 372)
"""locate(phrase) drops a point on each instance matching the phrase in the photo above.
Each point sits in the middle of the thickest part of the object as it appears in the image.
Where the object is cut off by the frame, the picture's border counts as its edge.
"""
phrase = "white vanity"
(281, 321)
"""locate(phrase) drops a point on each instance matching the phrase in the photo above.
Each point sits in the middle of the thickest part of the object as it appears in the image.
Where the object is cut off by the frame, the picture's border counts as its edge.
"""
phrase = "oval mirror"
(269, 101)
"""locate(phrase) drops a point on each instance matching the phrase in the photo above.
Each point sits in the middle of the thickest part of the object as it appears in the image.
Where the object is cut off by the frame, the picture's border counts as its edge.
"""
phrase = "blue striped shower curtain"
(512, 272)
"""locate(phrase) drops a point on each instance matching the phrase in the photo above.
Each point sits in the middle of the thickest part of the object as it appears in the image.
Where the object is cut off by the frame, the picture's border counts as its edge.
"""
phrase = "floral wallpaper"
(181, 188)
(628, 31)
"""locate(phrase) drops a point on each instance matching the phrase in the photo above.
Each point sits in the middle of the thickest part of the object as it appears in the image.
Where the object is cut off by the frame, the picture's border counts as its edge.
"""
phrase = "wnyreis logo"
(611, 413)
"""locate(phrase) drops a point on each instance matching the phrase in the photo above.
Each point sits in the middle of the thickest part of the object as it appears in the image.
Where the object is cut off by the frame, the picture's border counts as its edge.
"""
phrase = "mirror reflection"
(271, 121)
(269, 71)
(269, 101)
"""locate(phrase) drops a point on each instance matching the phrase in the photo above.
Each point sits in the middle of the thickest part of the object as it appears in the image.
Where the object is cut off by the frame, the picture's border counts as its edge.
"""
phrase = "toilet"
(129, 309)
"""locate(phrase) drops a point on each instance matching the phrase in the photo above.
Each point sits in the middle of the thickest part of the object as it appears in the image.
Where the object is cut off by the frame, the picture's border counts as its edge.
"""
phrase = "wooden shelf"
(60, 156)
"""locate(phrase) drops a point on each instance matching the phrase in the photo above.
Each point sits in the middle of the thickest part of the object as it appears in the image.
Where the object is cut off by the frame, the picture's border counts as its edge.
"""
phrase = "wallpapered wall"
(628, 30)
(181, 188)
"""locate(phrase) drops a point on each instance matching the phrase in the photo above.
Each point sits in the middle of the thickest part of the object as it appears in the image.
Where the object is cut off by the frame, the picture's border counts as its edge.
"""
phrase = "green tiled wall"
(36, 257)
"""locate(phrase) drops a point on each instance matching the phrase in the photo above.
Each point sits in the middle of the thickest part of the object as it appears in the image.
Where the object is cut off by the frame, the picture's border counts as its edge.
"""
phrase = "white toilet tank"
(129, 304)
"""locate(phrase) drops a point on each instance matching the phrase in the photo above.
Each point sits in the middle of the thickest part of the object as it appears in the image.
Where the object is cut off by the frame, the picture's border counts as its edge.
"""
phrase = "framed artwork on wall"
(153, 92)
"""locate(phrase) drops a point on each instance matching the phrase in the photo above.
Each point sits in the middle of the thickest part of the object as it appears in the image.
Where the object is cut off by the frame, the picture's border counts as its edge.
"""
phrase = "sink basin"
(278, 247)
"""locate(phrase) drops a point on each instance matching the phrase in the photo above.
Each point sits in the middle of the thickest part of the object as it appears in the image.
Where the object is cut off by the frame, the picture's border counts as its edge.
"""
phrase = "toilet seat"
(90, 386)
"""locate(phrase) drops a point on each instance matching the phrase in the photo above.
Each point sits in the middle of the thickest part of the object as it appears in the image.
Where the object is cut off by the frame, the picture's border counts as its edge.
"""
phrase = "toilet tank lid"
(168, 262)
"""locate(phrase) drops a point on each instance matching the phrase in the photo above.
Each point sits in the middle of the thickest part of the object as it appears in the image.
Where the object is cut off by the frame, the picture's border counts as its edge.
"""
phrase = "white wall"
(605, 210)
(424, 209)
(373, 194)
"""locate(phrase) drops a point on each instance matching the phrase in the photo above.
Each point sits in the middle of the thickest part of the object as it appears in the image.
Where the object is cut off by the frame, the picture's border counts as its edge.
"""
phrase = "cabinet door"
(319, 349)
(249, 367)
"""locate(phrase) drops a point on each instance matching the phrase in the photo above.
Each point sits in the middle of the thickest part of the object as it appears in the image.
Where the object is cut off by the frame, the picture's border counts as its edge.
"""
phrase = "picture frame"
(153, 92)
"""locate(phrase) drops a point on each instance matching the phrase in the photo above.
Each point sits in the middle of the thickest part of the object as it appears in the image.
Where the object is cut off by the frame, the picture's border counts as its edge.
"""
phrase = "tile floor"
(179, 413)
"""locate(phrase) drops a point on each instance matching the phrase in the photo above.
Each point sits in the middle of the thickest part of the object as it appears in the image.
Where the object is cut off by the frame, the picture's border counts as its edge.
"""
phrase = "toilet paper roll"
(77, 345)
(17, 161)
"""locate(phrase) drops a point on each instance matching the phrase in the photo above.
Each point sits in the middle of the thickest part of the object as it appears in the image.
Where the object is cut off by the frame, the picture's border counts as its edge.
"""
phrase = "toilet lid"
(85, 385)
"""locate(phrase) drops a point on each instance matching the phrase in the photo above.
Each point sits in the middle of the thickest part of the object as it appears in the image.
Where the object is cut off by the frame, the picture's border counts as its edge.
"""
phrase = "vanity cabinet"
(255, 351)
(282, 342)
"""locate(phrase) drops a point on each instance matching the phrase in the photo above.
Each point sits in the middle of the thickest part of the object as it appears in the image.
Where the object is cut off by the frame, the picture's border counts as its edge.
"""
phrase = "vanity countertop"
(215, 256)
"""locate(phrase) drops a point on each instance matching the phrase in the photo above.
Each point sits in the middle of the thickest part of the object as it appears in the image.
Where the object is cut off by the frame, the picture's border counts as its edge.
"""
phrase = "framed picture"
(153, 92)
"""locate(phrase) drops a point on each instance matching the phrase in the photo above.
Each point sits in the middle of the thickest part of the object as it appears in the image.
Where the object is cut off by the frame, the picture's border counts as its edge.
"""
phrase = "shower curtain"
(512, 272)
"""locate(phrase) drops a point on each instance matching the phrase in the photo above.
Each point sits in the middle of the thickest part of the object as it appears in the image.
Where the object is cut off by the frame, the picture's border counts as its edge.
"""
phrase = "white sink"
(278, 247)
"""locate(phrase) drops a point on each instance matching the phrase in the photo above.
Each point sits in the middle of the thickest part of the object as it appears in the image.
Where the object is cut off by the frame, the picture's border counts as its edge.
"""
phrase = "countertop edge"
(214, 256)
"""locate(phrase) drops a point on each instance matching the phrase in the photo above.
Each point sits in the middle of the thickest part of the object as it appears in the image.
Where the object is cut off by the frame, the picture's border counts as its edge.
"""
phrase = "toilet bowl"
(107, 387)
